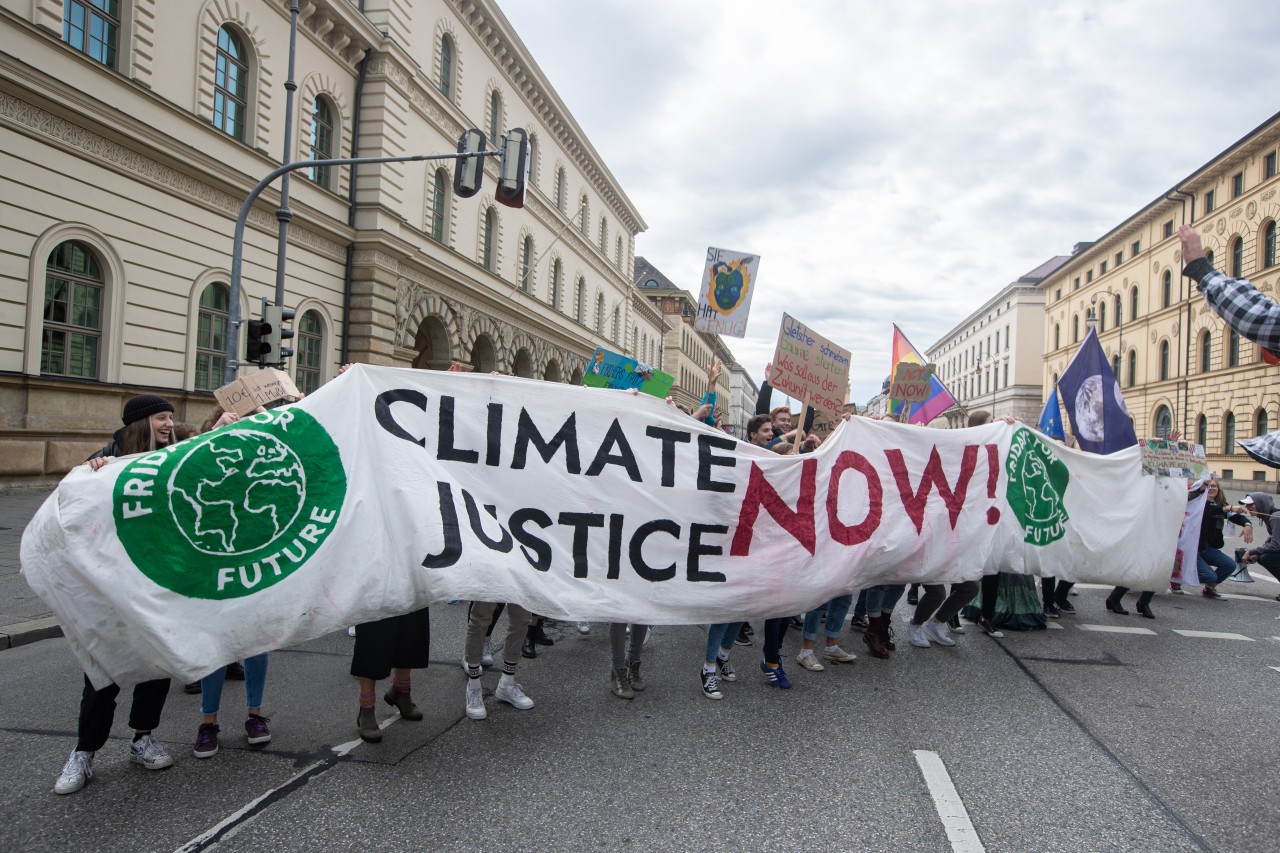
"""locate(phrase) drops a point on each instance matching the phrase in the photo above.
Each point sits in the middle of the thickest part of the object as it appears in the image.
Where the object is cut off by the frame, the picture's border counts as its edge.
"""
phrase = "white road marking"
(955, 818)
(1116, 629)
(1213, 635)
(1276, 668)
(1053, 626)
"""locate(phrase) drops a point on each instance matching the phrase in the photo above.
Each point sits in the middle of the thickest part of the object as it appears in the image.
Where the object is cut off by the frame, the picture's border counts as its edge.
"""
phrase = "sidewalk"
(24, 618)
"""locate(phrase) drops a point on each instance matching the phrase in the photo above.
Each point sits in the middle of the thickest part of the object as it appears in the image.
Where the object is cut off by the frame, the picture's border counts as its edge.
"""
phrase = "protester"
(479, 617)
(935, 610)
(148, 425)
(624, 679)
(1214, 566)
(394, 647)
(1143, 607)
(881, 599)
(717, 665)
(1262, 506)
(831, 615)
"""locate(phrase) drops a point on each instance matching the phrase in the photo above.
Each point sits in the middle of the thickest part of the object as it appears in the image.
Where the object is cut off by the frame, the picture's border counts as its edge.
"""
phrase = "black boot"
(528, 650)
(1144, 605)
(537, 635)
(1113, 601)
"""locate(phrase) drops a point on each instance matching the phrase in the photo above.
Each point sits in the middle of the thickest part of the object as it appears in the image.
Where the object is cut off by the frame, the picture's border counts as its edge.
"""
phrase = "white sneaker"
(810, 662)
(916, 634)
(475, 700)
(76, 773)
(510, 691)
(938, 633)
(838, 654)
(486, 656)
(148, 752)
(584, 627)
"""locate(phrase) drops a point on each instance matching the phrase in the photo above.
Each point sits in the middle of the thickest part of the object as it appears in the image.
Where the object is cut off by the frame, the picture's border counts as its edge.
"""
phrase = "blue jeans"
(837, 608)
(1211, 559)
(882, 599)
(721, 636)
(255, 682)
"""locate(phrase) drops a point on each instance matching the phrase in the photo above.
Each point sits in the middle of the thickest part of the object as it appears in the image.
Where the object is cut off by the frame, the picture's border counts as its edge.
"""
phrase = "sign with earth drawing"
(724, 295)
(1037, 485)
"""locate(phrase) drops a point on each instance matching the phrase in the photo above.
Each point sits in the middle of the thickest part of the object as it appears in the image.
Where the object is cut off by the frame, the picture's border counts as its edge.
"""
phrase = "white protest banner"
(809, 367)
(724, 295)
(389, 489)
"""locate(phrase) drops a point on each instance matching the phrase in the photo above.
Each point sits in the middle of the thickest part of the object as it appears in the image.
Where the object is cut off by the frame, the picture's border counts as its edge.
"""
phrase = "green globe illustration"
(236, 492)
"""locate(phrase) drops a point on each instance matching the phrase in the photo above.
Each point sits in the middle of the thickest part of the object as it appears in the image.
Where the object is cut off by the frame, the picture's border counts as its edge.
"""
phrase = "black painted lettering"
(706, 443)
(643, 569)
(382, 411)
(535, 550)
(697, 549)
(581, 522)
(527, 433)
(669, 438)
(445, 450)
(452, 549)
(615, 438)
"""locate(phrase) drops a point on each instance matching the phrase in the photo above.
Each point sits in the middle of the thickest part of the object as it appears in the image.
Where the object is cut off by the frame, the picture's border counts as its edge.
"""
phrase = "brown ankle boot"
(886, 633)
(872, 638)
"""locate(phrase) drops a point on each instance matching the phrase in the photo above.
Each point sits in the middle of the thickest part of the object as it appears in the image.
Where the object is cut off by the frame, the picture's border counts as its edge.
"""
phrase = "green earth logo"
(1037, 481)
(234, 511)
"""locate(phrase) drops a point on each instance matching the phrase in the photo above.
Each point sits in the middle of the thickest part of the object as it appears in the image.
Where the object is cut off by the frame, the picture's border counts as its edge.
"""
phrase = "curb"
(21, 633)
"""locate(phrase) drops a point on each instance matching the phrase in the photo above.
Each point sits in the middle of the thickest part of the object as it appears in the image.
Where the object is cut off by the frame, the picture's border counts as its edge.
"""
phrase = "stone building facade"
(1179, 365)
(992, 360)
(132, 131)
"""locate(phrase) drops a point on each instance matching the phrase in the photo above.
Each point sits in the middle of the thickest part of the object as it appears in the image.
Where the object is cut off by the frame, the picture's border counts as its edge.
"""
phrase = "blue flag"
(1091, 395)
(1051, 417)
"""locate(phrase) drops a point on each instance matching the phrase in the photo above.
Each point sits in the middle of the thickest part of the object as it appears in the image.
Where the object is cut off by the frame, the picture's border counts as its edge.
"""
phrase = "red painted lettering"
(914, 501)
(855, 534)
(760, 493)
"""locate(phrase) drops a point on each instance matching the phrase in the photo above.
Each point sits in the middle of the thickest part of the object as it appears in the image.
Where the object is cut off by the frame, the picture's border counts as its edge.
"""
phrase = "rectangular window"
(1119, 258)
(1168, 229)
(1228, 474)
(1006, 374)
(1270, 170)
(1237, 185)
(1135, 249)
(1075, 284)
(1088, 276)
(93, 28)
(1260, 476)
(1208, 202)
(1102, 268)
(1057, 294)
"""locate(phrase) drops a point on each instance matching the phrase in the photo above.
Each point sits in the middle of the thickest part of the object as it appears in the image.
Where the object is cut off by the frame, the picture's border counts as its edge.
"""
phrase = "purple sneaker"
(206, 741)
(255, 729)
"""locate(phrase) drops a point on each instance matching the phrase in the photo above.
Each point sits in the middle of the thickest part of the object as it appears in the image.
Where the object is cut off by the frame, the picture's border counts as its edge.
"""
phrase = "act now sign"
(391, 489)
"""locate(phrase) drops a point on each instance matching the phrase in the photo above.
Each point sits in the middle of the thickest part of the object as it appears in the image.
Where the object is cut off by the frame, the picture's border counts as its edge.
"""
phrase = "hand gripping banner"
(390, 489)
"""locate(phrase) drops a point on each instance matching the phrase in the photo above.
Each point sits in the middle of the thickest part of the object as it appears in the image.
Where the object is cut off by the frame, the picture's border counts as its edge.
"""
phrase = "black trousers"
(98, 711)
(990, 589)
(397, 642)
(1054, 591)
(774, 631)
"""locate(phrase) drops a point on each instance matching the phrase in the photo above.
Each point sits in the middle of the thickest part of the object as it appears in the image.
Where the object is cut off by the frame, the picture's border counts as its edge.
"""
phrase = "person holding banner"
(1214, 566)
(480, 617)
(935, 610)
(148, 425)
(1261, 505)
(394, 647)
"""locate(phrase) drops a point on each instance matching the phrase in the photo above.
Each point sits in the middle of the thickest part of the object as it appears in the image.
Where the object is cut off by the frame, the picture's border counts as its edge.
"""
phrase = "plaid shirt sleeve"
(1245, 308)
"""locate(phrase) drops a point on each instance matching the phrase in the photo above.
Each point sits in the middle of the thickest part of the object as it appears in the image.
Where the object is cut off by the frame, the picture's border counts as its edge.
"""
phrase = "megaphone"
(1242, 569)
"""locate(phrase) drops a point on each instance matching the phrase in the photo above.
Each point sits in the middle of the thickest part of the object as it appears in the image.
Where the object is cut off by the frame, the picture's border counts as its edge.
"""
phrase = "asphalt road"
(1065, 739)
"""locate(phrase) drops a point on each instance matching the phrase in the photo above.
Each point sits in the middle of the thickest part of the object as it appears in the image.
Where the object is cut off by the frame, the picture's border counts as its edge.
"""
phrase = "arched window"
(616, 327)
(1057, 337)
(1229, 434)
(321, 141)
(1206, 351)
(1202, 431)
(211, 337)
(310, 344)
(1237, 257)
(73, 309)
(600, 313)
(487, 239)
(560, 189)
(1102, 317)
(533, 159)
(1075, 329)
(1166, 289)
(1164, 422)
(584, 205)
(446, 67)
(617, 252)
(1133, 368)
(604, 236)
(553, 293)
(231, 85)
(1233, 349)
(580, 299)
(1119, 310)
(1164, 360)
(1133, 304)
(1115, 366)
(93, 27)
(439, 204)
(1260, 425)
(526, 263)
(1269, 245)
(495, 117)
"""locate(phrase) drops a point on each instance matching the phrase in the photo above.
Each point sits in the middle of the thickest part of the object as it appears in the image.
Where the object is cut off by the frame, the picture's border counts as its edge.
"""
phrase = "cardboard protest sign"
(809, 367)
(609, 369)
(252, 390)
(912, 383)
(389, 489)
(724, 295)
(1166, 458)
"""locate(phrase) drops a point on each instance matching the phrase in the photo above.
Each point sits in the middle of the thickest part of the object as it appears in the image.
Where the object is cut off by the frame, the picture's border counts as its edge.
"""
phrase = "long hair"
(1221, 501)
(138, 437)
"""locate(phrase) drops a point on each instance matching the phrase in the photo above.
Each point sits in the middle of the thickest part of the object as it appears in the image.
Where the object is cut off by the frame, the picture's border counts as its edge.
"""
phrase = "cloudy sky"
(897, 161)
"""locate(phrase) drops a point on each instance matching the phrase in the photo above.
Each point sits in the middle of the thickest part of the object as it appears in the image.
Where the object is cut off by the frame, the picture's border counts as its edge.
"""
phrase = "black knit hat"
(144, 406)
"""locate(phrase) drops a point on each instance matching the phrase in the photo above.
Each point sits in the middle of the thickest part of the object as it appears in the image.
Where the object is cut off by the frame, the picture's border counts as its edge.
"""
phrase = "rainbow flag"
(940, 398)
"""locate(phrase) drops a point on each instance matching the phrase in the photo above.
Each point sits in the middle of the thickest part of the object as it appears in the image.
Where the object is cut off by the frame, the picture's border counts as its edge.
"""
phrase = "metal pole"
(283, 213)
(234, 320)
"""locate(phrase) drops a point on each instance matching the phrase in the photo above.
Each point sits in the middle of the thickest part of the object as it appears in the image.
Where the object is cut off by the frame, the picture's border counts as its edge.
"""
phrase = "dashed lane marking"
(955, 818)
(1213, 635)
(1053, 626)
(1116, 629)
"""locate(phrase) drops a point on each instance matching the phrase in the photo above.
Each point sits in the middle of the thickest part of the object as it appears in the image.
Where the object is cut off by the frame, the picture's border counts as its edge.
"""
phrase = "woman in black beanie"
(148, 424)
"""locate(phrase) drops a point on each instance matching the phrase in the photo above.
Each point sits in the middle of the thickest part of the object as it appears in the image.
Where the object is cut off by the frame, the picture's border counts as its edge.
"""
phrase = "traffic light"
(256, 346)
(274, 317)
(513, 171)
(468, 172)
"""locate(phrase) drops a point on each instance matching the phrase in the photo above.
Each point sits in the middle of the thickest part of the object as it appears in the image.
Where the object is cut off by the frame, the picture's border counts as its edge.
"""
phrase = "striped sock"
(403, 685)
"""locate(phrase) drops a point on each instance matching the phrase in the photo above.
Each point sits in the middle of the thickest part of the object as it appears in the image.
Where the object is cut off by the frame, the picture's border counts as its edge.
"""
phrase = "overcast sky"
(897, 161)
